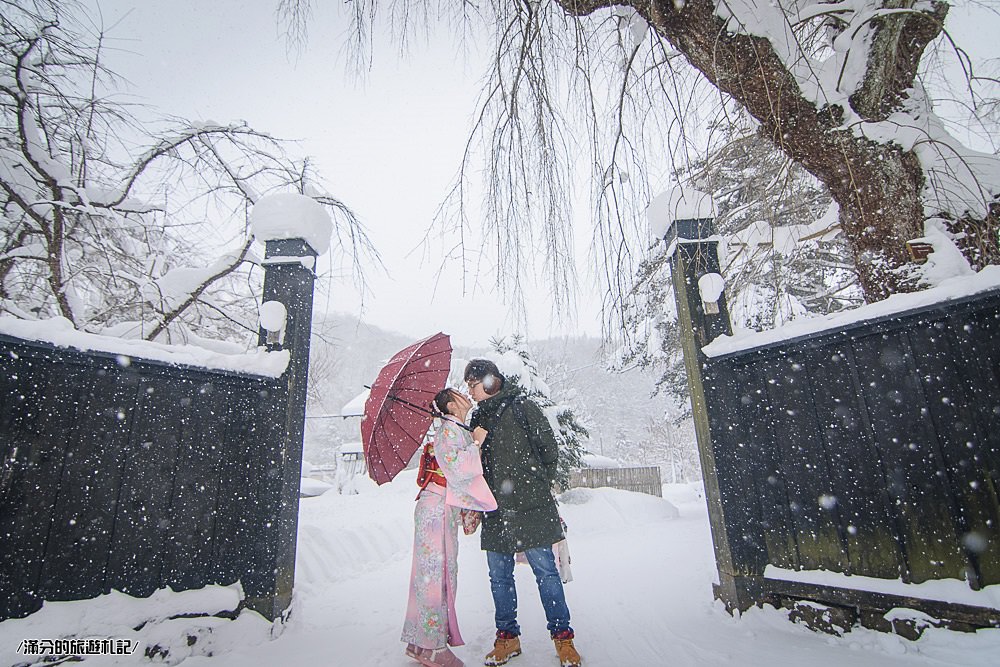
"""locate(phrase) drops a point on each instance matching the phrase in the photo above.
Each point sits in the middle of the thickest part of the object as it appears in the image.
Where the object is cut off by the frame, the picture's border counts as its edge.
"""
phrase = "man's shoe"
(568, 657)
(505, 647)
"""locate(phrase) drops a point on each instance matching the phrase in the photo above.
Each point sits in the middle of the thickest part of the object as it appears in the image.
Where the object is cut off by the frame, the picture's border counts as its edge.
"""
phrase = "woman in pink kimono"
(452, 480)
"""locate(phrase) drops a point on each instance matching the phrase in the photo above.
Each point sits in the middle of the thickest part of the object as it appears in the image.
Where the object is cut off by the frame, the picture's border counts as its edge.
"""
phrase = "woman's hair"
(439, 406)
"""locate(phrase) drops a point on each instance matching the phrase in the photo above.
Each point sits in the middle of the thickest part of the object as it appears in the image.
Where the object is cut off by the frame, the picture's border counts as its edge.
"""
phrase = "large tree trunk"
(877, 186)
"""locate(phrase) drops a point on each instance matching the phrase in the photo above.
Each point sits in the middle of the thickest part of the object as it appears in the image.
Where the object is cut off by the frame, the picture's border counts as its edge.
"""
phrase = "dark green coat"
(520, 474)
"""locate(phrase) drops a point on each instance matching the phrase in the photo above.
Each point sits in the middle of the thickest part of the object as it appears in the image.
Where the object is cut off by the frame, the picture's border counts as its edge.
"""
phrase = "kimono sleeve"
(457, 455)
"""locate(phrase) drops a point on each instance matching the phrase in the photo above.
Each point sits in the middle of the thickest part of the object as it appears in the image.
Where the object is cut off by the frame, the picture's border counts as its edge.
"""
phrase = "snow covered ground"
(641, 596)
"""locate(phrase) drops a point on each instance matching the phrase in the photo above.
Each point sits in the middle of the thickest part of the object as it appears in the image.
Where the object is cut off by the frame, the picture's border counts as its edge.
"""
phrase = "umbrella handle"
(421, 409)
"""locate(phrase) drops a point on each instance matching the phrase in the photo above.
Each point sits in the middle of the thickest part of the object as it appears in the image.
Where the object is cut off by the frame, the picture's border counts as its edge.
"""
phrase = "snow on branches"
(119, 223)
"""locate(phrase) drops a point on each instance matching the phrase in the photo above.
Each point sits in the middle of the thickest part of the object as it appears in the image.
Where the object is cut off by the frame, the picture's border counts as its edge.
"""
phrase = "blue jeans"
(550, 589)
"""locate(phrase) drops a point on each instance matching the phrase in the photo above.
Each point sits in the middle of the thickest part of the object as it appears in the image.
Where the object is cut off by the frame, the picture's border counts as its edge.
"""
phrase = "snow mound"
(601, 509)
(342, 536)
(313, 487)
(150, 624)
(689, 493)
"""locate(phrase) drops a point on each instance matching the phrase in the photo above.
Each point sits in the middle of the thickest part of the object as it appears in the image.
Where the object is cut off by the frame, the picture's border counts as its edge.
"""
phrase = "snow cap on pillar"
(291, 216)
(678, 204)
(273, 316)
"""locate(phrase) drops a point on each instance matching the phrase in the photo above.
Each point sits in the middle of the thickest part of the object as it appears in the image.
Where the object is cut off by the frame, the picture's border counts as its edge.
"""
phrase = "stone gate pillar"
(703, 315)
(289, 276)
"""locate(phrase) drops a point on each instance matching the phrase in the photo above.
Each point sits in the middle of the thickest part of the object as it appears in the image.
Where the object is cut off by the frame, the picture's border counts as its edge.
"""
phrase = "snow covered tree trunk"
(878, 185)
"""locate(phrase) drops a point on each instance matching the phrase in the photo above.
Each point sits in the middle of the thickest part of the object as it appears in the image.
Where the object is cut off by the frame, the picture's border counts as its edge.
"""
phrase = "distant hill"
(346, 354)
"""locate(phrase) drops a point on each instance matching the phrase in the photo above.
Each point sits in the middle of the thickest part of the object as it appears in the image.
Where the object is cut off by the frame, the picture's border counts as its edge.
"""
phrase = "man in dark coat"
(519, 464)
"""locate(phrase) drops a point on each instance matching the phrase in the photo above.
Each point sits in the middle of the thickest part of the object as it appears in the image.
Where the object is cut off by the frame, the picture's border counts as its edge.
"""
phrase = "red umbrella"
(397, 413)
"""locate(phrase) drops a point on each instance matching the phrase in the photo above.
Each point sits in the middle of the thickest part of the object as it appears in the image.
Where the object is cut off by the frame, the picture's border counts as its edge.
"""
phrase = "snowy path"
(641, 595)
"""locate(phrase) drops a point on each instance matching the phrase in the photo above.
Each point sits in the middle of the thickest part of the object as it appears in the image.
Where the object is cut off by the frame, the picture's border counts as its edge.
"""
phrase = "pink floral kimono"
(430, 615)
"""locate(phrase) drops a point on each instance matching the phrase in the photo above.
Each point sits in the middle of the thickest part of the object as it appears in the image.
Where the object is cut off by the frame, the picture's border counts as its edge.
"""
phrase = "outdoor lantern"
(273, 316)
(919, 250)
(710, 288)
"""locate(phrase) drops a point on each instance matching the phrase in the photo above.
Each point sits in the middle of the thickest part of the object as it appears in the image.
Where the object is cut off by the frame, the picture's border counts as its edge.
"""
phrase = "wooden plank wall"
(871, 451)
(130, 476)
(645, 479)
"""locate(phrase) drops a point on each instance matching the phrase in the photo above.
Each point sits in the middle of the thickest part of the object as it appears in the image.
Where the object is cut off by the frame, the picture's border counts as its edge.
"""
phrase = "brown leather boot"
(505, 647)
(568, 657)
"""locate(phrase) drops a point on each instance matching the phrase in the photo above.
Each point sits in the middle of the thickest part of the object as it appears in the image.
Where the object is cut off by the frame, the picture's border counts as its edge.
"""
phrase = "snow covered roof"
(352, 448)
(60, 332)
(599, 461)
(356, 406)
(949, 290)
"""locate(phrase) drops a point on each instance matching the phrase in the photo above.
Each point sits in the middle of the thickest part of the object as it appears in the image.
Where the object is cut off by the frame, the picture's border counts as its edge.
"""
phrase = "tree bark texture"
(878, 186)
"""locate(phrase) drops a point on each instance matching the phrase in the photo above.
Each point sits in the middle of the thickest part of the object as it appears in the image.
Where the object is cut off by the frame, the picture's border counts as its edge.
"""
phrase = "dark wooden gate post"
(694, 257)
(288, 279)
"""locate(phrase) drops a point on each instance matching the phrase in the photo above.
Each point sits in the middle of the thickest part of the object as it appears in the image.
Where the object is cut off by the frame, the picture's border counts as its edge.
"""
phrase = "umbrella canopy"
(397, 412)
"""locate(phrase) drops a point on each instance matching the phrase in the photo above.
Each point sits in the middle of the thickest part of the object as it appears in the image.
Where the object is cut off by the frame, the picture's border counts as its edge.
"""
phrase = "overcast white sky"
(388, 147)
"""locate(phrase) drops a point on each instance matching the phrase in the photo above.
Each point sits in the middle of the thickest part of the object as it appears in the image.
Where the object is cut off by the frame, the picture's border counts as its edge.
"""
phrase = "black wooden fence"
(131, 477)
(869, 450)
(129, 474)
